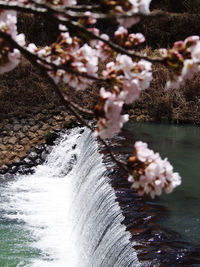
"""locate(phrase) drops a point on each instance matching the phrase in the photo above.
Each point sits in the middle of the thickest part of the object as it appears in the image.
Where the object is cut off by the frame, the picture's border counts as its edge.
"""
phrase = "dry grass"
(23, 88)
(181, 105)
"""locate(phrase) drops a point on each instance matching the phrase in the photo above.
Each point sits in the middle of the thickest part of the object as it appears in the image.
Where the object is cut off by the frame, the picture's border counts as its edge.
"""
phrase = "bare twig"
(29, 8)
(48, 65)
(114, 46)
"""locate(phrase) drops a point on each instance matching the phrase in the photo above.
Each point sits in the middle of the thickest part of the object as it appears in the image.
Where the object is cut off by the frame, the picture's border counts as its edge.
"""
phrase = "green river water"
(181, 145)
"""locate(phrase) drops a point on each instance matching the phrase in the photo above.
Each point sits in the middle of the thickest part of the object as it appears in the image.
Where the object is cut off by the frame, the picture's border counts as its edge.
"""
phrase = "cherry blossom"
(9, 58)
(110, 119)
(150, 174)
(130, 77)
(135, 6)
(183, 59)
(68, 52)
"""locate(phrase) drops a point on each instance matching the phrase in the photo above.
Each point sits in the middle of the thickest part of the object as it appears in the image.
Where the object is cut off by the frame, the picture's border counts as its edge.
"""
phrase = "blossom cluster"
(183, 59)
(110, 120)
(9, 58)
(149, 173)
(68, 53)
(52, 2)
(129, 78)
(128, 40)
(121, 7)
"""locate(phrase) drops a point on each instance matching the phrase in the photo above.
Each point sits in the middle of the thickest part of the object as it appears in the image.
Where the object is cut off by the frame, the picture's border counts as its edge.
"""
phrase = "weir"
(65, 214)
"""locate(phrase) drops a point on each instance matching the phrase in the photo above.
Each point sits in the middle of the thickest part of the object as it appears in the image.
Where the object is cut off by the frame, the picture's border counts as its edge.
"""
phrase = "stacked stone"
(20, 133)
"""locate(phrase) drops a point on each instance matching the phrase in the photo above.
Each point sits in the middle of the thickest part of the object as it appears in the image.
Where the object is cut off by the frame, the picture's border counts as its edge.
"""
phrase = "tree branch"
(117, 48)
(75, 25)
(46, 63)
(23, 8)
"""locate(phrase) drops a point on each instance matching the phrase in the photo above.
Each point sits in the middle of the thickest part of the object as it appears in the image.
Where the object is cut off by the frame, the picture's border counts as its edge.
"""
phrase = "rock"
(12, 140)
(25, 129)
(4, 154)
(28, 147)
(43, 155)
(20, 135)
(4, 169)
(44, 111)
(13, 169)
(34, 128)
(23, 121)
(16, 127)
(12, 156)
(31, 135)
(31, 122)
(4, 133)
(38, 149)
(24, 141)
(58, 118)
(45, 127)
(49, 149)
(2, 147)
(50, 137)
(24, 170)
(81, 131)
(18, 148)
(70, 121)
(33, 155)
(38, 161)
(10, 133)
(41, 133)
(27, 161)
(7, 127)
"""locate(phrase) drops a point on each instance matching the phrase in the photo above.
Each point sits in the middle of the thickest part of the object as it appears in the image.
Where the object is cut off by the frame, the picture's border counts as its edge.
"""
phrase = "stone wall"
(20, 133)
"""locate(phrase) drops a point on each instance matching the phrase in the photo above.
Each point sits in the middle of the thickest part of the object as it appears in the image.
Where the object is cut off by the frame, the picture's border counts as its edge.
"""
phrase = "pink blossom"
(187, 55)
(108, 128)
(121, 32)
(136, 38)
(113, 121)
(131, 91)
(137, 6)
(142, 152)
(103, 51)
(152, 174)
(105, 94)
(125, 64)
(144, 6)
(12, 61)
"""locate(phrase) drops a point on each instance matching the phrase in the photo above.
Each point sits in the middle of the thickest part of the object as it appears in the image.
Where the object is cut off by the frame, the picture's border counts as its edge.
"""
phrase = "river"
(65, 214)
(181, 145)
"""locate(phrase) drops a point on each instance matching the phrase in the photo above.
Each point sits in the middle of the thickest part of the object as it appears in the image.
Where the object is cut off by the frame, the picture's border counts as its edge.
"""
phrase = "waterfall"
(65, 214)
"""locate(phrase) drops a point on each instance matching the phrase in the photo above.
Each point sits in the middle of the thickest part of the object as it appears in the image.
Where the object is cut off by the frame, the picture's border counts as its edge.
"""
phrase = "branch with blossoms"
(74, 60)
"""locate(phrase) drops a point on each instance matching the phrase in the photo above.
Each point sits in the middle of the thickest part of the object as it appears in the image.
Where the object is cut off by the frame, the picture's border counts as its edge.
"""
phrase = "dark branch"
(21, 7)
(115, 47)
(47, 64)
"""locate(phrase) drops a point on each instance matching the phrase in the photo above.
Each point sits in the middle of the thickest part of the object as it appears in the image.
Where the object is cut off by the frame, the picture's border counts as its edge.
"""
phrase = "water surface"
(181, 145)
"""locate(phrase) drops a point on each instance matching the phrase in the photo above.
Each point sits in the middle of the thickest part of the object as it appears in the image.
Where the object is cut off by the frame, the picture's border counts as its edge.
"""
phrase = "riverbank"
(155, 245)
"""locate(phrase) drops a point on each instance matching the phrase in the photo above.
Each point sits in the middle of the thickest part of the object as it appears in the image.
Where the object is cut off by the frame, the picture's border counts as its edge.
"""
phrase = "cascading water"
(65, 214)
